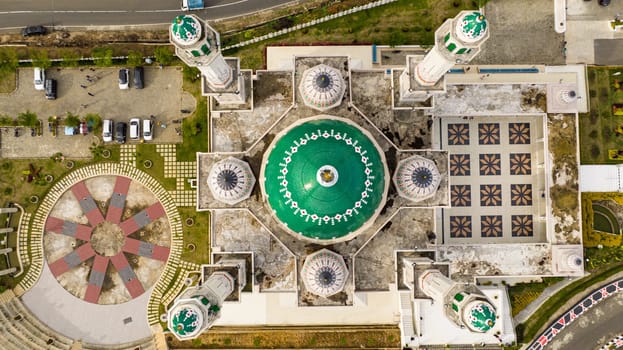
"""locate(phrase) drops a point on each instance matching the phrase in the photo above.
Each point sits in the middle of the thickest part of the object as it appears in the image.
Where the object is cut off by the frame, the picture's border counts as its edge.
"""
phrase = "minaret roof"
(472, 26)
(481, 317)
(186, 30)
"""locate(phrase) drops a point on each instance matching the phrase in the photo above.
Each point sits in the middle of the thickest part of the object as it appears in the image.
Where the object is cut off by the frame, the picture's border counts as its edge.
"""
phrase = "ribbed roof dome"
(322, 87)
(471, 26)
(231, 180)
(416, 178)
(186, 30)
(324, 273)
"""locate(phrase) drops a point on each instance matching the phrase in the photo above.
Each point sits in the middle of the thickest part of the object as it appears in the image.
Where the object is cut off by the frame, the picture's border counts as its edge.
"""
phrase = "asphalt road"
(16, 14)
(594, 328)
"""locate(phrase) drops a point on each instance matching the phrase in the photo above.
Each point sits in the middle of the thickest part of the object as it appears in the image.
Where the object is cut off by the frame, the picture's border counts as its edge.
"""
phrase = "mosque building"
(364, 191)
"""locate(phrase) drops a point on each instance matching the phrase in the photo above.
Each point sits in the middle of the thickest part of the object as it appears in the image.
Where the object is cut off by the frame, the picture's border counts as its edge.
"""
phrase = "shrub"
(72, 120)
(40, 59)
(28, 119)
(5, 120)
(102, 56)
(135, 59)
(164, 55)
(8, 60)
(70, 58)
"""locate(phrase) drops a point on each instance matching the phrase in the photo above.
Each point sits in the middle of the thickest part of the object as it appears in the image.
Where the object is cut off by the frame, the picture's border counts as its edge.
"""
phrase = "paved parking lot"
(162, 97)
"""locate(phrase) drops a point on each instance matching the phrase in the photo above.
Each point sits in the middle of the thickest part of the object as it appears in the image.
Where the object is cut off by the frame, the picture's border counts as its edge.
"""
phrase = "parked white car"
(135, 129)
(148, 129)
(107, 128)
(39, 78)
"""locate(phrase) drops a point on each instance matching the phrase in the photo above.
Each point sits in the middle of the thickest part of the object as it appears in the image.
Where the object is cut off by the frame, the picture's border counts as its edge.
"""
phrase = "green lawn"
(146, 152)
(398, 23)
(522, 294)
(600, 130)
(197, 235)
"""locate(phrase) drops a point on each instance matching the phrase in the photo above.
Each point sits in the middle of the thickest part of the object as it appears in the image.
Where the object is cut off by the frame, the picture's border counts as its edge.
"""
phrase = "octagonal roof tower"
(416, 178)
(324, 273)
(197, 44)
(457, 41)
(324, 179)
(463, 303)
(231, 180)
(197, 308)
(322, 87)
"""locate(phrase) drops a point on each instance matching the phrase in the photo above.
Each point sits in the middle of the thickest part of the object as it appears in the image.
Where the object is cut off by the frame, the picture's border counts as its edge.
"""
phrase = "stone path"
(128, 155)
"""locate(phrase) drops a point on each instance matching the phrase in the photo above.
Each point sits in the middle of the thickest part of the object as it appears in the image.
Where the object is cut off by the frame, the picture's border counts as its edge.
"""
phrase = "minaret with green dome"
(464, 304)
(197, 308)
(457, 41)
(198, 45)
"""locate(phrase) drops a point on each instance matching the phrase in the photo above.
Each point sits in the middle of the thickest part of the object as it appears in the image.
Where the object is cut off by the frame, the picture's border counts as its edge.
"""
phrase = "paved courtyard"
(162, 97)
(495, 171)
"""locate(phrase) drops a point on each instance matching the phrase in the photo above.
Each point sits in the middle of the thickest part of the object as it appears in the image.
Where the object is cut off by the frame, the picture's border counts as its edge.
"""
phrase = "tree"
(40, 59)
(164, 55)
(135, 59)
(102, 56)
(94, 121)
(72, 120)
(70, 58)
(8, 60)
(28, 119)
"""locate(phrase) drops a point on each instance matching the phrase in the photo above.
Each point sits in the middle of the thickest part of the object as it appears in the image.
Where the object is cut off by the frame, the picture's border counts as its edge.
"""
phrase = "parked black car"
(50, 89)
(120, 131)
(34, 30)
(138, 77)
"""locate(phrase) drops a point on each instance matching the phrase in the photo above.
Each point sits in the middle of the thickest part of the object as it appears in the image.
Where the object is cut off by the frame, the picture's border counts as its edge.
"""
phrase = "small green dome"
(472, 26)
(186, 30)
(186, 321)
(324, 178)
(481, 317)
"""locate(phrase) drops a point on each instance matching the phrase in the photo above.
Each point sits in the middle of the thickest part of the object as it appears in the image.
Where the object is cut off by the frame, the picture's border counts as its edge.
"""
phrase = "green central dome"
(324, 178)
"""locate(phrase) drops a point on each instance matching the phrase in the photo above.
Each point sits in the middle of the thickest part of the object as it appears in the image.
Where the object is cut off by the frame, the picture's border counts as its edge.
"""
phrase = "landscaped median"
(555, 305)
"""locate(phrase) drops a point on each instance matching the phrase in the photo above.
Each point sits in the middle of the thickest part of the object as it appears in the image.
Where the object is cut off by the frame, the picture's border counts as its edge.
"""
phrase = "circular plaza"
(324, 179)
(107, 239)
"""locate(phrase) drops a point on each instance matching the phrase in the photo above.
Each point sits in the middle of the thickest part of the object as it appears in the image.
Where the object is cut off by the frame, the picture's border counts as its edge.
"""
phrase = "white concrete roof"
(282, 57)
(601, 178)
(436, 328)
(281, 309)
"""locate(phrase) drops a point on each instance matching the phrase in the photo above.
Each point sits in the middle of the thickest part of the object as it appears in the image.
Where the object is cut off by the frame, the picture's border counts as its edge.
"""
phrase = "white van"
(147, 129)
(135, 129)
(107, 128)
(39, 78)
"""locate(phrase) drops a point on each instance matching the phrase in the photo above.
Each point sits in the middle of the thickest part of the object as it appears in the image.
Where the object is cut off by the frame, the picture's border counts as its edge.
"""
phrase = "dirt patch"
(362, 337)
